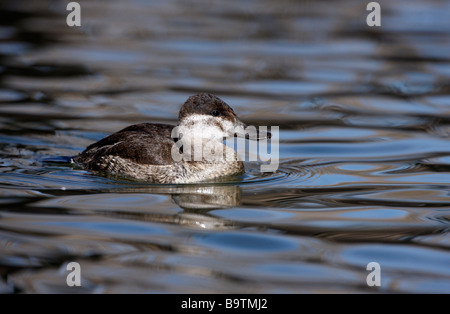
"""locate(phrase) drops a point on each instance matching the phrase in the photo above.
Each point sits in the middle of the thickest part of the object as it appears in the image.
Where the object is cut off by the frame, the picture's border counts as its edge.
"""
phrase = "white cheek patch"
(205, 126)
(229, 127)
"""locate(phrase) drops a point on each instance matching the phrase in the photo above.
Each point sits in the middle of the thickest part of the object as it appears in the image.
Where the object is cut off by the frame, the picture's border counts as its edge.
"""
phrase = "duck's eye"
(215, 113)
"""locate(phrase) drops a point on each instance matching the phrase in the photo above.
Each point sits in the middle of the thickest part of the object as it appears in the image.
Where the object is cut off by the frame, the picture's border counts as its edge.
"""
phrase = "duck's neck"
(205, 150)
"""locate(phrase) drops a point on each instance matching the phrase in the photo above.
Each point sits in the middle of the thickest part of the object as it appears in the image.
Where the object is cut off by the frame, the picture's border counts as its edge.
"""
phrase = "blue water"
(364, 154)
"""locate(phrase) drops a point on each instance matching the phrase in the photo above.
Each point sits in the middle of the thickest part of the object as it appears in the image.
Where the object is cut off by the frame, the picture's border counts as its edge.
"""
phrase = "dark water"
(364, 175)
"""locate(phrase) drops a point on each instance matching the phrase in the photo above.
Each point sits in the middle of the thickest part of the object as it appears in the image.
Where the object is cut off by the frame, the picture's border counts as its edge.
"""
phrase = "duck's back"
(145, 143)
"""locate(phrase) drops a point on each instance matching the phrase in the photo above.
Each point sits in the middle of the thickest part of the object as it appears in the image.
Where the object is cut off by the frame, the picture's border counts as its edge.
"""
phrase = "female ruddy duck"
(151, 152)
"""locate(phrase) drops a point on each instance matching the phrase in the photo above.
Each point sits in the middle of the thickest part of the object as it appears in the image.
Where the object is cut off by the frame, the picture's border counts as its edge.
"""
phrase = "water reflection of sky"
(364, 155)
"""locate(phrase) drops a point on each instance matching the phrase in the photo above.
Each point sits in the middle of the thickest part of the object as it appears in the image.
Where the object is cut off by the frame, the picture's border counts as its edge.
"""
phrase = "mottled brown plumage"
(136, 143)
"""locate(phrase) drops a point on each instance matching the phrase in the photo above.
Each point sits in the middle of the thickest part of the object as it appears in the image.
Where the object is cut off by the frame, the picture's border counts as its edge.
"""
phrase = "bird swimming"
(162, 153)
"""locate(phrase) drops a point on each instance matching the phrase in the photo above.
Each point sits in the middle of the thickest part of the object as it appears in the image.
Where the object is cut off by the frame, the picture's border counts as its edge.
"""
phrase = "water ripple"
(364, 158)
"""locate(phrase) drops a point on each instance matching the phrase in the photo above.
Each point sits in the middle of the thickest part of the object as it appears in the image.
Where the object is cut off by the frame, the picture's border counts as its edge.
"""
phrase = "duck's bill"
(251, 132)
(258, 136)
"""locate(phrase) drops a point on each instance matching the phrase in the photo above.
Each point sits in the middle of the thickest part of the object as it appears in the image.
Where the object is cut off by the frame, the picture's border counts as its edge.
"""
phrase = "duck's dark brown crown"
(206, 104)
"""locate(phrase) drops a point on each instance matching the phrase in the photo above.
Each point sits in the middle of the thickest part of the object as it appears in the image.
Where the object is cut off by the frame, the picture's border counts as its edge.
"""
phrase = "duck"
(190, 152)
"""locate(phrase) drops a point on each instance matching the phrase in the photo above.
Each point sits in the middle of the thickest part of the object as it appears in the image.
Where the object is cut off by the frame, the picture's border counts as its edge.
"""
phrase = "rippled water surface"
(364, 173)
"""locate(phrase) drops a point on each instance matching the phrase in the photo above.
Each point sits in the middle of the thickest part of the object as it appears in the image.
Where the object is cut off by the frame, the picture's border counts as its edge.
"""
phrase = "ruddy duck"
(146, 151)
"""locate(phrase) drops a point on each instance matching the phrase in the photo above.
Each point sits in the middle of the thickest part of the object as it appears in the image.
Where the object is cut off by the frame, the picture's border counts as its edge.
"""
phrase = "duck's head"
(207, 116)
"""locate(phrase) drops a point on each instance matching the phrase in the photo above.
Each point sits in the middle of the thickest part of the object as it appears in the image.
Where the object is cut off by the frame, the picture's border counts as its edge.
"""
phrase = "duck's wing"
(144, 143)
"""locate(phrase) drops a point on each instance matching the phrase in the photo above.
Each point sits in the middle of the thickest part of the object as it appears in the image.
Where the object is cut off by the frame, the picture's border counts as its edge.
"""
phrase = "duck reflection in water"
(196, 201)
